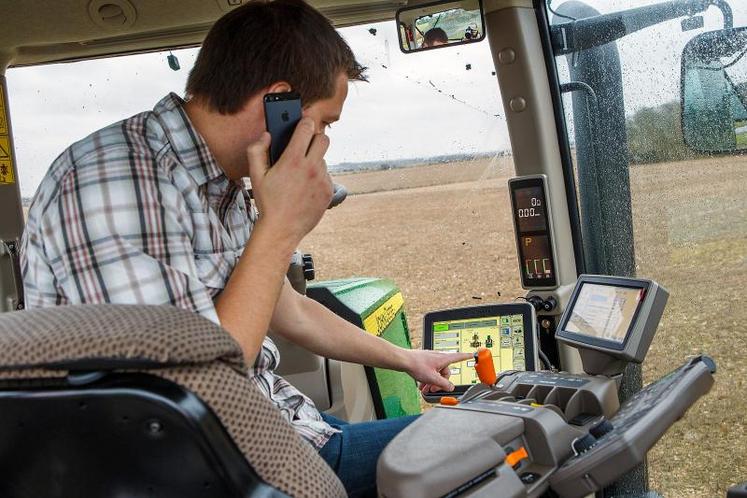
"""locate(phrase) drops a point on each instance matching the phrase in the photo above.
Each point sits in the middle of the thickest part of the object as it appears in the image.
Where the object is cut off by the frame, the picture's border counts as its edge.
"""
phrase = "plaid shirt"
(140, 213)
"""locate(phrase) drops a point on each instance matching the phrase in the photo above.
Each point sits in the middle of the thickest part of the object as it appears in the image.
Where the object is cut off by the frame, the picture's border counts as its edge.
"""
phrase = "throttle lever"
(485, 367)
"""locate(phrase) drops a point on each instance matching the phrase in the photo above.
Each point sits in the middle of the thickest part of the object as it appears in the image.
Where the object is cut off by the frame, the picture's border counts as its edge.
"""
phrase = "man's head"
(435, 37)
(273, 46)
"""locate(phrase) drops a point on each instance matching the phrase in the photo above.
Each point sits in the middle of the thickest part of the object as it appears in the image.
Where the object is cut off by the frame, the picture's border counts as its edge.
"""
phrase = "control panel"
(508, 445)
(519, 433)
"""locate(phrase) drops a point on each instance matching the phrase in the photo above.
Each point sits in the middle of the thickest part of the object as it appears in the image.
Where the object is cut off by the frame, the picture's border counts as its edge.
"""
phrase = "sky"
(406, 110)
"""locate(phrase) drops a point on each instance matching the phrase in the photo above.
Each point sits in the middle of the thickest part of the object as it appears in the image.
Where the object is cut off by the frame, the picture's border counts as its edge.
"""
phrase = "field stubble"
(444, 234)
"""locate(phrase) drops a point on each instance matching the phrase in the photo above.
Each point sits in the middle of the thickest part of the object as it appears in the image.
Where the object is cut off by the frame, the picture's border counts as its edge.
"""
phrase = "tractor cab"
(555, 186)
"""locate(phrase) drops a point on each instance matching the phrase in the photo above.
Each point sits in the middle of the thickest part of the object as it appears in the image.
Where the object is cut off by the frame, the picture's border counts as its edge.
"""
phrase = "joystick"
(485, 367)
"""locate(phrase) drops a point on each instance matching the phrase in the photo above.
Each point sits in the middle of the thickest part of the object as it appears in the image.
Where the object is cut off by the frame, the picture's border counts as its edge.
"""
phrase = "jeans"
(353, 453)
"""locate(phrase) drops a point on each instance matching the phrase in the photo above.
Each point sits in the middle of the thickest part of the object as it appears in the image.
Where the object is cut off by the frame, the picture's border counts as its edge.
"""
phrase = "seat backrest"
(124, 400)
(132, 435)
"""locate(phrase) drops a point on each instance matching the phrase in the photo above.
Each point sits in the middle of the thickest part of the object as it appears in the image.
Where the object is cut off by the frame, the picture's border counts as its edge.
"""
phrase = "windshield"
(422, 148)
(668, 213)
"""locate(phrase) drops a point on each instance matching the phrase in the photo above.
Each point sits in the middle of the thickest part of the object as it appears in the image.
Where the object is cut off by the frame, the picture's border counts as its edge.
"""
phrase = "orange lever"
(449, 401)
(485, 367)
(517, 456)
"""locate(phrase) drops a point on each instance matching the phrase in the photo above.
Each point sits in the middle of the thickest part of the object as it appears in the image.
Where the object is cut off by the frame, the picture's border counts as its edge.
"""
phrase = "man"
(150, 210)
(435, 37)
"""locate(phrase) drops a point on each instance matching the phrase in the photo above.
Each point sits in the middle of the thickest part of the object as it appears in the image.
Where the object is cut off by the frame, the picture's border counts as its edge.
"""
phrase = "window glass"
(54, 105)
(422, 148)
(688, 229)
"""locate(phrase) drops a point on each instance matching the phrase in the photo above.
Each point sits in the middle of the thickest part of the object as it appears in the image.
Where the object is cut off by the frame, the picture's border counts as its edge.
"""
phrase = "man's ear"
(279, 87)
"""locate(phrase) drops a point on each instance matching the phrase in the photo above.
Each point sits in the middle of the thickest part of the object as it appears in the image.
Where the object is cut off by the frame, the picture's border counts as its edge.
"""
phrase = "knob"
(584, 443)
(536, 302)
(549, 304)
(308, 267)
(601, 428)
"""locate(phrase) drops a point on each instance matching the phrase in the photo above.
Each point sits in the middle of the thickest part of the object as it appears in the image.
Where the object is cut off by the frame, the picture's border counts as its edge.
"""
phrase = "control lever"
(485, 367)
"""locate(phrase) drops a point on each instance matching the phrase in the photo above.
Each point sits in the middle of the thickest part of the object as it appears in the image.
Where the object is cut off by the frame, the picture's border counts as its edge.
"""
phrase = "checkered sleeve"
(119, 231)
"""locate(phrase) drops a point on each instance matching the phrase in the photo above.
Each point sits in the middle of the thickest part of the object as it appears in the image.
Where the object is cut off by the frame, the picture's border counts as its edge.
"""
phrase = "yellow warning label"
(6, 162)
(380, 319)
(3, 114)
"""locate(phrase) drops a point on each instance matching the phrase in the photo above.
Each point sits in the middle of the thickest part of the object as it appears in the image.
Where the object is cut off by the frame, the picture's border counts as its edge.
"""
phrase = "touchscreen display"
(502, 335)
(604, 311)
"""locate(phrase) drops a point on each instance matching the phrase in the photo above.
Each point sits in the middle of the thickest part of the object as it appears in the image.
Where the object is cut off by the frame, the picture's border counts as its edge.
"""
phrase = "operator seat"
(124, 400)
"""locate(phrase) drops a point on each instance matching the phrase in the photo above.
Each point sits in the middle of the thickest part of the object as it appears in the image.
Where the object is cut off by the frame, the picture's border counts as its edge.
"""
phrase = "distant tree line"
(655, 135)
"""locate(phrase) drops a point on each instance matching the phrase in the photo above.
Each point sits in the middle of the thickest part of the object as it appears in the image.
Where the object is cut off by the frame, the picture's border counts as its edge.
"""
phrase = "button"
(601, 428)
(529, 477)
(518, 104)
(517, 456)
(449, 401)
(507, 56)
(584, 443)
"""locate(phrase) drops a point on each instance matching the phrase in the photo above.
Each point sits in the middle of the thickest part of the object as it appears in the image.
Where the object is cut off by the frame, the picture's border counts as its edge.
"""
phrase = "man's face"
(327, 111)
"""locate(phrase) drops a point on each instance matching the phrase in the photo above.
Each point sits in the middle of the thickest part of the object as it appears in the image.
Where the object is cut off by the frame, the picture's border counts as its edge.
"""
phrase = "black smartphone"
(282, 114)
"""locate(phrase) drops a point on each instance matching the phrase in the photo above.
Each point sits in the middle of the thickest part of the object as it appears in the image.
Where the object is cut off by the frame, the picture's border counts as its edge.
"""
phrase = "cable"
(543, 357)
(737, 59)
(549, 7)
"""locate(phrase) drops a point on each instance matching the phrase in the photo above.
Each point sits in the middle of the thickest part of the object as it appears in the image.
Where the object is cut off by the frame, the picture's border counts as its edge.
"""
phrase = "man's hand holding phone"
(293, 194)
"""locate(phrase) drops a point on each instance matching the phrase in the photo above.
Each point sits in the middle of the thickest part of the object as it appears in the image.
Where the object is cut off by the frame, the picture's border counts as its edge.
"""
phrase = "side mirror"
(440, 24)
(714, 91)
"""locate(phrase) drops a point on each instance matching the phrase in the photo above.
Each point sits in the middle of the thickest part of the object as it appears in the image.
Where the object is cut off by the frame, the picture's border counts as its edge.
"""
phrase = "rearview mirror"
(440, 24)
(714, 91)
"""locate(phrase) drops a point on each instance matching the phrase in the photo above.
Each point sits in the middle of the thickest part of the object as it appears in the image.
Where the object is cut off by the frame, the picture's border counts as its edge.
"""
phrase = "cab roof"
(43, 31)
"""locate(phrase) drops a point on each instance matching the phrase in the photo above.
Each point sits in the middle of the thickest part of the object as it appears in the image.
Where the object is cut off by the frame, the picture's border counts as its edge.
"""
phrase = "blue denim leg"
(353, 453)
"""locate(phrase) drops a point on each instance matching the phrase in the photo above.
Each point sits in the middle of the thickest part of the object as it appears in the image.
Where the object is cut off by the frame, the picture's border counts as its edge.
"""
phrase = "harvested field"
(444, 234)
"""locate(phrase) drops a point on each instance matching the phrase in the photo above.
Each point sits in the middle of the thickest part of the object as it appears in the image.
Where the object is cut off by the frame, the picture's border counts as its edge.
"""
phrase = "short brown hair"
(263, 42)
(434, 35)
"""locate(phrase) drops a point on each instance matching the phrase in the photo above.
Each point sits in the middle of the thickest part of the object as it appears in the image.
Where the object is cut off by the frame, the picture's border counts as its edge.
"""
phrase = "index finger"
(301, 138)
(318, 147)
(455, 357)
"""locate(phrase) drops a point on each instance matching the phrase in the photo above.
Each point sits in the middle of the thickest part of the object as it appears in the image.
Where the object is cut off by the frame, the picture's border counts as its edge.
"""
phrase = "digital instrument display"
(506, 330)
(532, 225)
(530, 209)
(604, 311)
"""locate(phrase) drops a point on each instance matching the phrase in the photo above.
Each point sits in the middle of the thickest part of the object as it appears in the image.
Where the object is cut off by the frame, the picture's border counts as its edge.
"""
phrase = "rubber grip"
(485, 367)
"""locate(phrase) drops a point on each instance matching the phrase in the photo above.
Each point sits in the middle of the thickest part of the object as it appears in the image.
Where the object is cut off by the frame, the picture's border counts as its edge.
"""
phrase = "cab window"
(688, 229)
(422, 148)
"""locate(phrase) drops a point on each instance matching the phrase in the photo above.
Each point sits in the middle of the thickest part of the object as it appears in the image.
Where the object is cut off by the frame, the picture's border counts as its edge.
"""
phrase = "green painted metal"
(395, 393)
